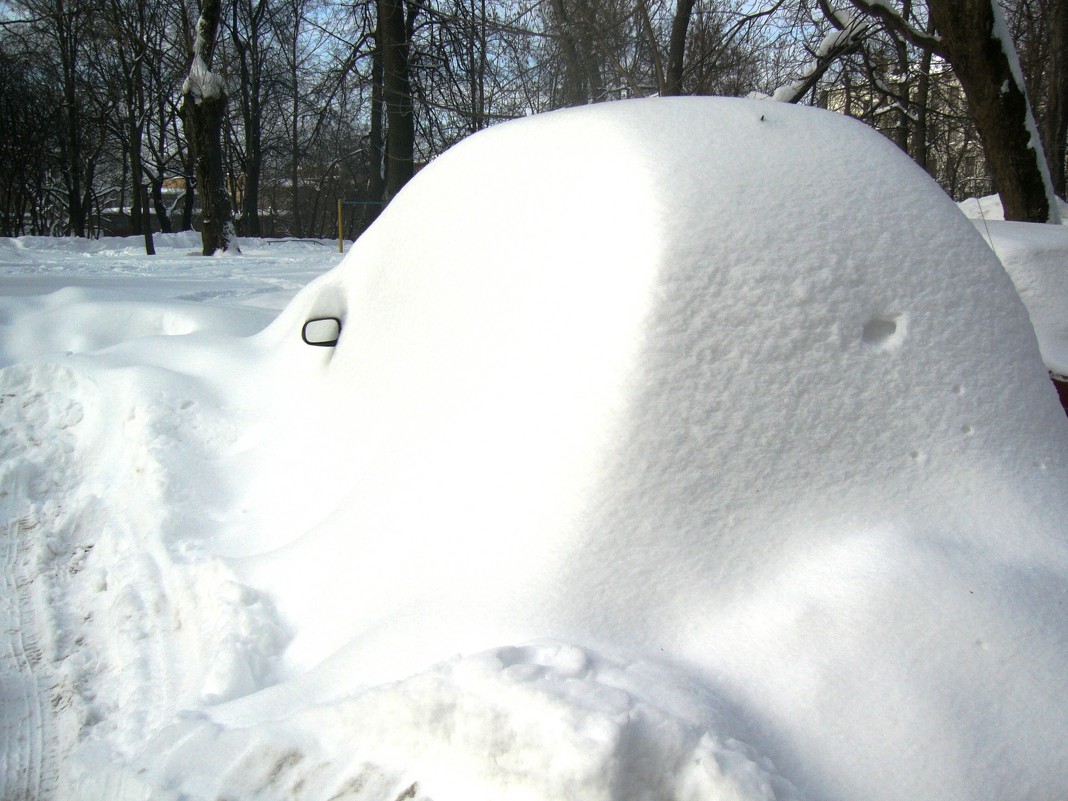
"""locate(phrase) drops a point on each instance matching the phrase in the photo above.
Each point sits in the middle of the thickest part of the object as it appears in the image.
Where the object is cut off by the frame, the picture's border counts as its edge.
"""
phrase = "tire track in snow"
(112, 620)
(47, 699)
(27, 736)
(36, 442)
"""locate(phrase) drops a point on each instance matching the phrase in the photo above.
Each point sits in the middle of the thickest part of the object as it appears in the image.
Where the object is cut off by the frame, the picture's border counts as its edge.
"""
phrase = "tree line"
(101, 100)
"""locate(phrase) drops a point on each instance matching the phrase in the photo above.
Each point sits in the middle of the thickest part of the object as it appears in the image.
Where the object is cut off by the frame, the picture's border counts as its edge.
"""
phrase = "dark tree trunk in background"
(250, 200)
(294, 156)
(574, 89)
(205, 121)
(190, 197)
(136, 174)
(376, 181)
(250, 63)
(919, 148)
(478, 60)
(396, 96)
(296, 223)
(132, 31)
(900, 88)
(67, 29)
(1056, 128)
(680, 25)
(140, 202)
(162, 213)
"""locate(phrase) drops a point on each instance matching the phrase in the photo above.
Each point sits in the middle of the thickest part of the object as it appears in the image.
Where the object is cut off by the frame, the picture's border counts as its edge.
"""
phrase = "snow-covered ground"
(114, 415)
(671, 450)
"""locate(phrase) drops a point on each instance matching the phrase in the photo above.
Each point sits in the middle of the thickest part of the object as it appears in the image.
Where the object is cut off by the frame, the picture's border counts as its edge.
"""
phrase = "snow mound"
(544, 721)
(989, 208)
(1036, 258)
(723, 384)
(78, 320)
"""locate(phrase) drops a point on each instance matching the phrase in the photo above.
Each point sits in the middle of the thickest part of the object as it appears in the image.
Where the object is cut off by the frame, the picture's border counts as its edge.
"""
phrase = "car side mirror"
(323, 332)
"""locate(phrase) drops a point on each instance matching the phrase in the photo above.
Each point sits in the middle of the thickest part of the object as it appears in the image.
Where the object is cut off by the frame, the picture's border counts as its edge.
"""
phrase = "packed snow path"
(94, 597)
(734, 472)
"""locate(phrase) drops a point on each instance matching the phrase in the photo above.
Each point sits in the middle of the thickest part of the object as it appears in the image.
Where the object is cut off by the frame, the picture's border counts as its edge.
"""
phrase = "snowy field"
(734, 473)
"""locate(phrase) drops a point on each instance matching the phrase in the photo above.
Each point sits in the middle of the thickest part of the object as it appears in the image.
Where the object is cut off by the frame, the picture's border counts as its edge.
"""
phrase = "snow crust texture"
(675, 449)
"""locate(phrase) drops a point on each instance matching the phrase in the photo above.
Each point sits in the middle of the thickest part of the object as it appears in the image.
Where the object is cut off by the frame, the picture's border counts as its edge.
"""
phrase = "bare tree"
(250, 33)
(60, 31)
(131, 22)
(972, 37)
(26, 147)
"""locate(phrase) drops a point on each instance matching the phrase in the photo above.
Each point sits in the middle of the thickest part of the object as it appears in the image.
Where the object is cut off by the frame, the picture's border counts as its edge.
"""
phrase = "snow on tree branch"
(896, 21)
(854, 28)
(202, 83)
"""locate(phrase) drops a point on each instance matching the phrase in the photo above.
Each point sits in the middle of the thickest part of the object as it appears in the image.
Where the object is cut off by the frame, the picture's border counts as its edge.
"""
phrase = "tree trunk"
(140, 202)
(397, 96)
(294, 137)
(901, 101)
(205, 121)
(250, 62)
(160, 206)
(67, 31)
(376, 182)
(136, 176)
(190, 196)
(919, 148)
(972, 36)
(250, 202)
(1057, 95)
(976, 42)
(680, 25)
(204, 99)
(137, 125)
(574, 89)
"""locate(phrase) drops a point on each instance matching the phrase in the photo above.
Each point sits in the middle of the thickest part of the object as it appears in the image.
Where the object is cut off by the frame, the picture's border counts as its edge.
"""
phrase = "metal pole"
(340, 228)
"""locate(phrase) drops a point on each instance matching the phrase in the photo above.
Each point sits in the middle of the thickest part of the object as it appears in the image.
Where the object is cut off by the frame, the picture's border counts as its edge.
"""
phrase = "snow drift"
(1034, 257)
(671, 449)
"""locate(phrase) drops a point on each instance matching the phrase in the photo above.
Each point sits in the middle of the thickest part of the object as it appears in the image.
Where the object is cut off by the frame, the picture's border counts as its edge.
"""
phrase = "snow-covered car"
(723, 385)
